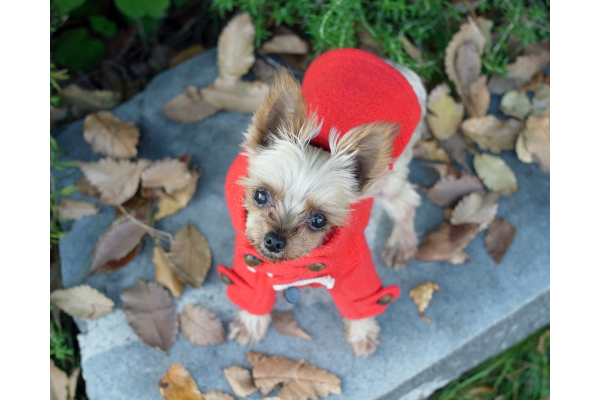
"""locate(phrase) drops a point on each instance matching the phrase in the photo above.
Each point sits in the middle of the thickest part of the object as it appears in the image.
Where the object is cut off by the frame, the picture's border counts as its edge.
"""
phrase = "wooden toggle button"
(226, 280)
(252, 261)
(385, 300)
(316, 267)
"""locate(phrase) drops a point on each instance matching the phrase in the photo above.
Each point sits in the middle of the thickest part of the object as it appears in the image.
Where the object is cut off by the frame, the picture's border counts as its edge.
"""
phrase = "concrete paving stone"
(482, 308)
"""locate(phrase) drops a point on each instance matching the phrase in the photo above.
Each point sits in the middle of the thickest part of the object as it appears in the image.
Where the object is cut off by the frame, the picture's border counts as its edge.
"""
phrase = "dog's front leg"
(362, 335)
(248, 328)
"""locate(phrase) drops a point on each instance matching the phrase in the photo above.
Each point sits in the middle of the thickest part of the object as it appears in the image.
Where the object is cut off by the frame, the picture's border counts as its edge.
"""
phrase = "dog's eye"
(317, 221)
(261, 197)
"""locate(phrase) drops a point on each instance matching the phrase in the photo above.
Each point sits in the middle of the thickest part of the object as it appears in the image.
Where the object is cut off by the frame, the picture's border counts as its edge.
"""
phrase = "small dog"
(300, 194)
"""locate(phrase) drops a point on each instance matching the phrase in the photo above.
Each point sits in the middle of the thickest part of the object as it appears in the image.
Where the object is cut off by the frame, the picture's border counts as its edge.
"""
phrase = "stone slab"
(482, 308)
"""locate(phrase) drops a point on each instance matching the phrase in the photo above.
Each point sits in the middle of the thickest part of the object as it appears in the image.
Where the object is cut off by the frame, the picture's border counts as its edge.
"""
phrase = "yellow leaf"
(495, 174)
(422, 295)
(170, 204)
(178, 384)
(164, 274)
(446, 115)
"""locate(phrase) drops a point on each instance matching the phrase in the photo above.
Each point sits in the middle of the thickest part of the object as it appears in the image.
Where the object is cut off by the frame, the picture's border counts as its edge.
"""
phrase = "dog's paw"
(362, 335)
(248, 328)
(399, 250)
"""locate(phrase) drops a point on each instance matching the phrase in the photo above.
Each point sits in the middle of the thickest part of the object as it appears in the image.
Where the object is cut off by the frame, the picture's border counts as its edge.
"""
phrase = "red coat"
(347, 88)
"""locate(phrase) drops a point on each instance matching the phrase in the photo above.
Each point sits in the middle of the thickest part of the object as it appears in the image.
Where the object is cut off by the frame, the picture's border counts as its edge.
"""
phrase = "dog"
(300, 193)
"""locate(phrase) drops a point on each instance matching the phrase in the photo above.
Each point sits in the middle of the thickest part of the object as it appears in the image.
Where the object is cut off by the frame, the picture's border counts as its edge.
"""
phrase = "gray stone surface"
(482, 308)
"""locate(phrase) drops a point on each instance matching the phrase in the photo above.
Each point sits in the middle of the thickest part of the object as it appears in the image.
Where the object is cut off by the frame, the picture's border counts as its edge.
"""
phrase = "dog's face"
(296, 193)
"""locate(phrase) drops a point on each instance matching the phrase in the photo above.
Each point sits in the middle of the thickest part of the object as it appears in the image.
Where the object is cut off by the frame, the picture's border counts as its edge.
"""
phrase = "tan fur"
(248, 328)
(362, 335)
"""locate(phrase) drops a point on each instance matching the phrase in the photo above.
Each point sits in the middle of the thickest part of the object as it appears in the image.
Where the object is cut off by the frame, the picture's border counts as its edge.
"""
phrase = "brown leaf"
(86, 188)
(235, 48)
(285, 322)
(263, 71)
(476, 208)
(498, 238)
(82, 301)
(109, 136)
(422, 295)
(495, 174)
(186, 54)
(520, 72)
(76, 209)
(492, 134)
(240, 380)
(515, 103)
(191, 255)
(541, 101)
(456, 148)
(445, 169)
(238, 96)
(445, 114)
(170, 204)
(537, 140)
(62, 387)
(285, 44)
(200, 326)
(188, 107)
(169, 174)
(117, 180)
(429, 149)
(90, 99)
(522, 153)
(178, 384)
(301, 380)
(534, 84)
(217, 396)
(445, 241)
(150, 312)
(480, 97)
(164, 273)
(449, 190)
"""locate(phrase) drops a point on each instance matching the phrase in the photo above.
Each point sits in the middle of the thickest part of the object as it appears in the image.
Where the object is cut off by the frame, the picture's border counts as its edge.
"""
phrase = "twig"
(152, 231)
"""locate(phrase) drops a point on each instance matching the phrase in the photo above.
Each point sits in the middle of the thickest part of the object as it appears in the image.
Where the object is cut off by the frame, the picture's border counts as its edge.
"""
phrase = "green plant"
(61, 348)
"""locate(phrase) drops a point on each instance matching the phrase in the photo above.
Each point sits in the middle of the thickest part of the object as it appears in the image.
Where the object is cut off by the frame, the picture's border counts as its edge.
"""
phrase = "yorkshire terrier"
(301, 192)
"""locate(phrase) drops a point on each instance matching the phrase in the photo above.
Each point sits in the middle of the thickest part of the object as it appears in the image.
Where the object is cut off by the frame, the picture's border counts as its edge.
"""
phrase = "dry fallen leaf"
(456, 148)
(422, 295)
(445, 241)
(519, 72)
(534, 83)
(217, 396)
(515, 103)
(240, 380)
(178, 384)
(499, 236)
(90, 99)
(412, 51)
(150, 312)
(188, 107)
(541, 347)
(164, 273)
(200, 326)
(445, 169)
(541, 100)
(76, 209)
(537, 140)
(191, 255)
(301, 380)
(450, 189)
(495, 174)
(285, 44)
(170, 204)
(445, 114)
(429, 149)
(62, 387)
(476, 208)
(109, 136)
(522, 153)
(186, 54)
(169, 174)
(117, 180)
(285, 322)
(238, 96)
(235, 47)
(82, 301)
(492, 134)
(86, 188)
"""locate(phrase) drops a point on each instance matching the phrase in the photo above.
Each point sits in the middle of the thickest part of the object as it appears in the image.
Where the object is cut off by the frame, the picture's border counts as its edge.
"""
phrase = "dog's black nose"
(275, 242)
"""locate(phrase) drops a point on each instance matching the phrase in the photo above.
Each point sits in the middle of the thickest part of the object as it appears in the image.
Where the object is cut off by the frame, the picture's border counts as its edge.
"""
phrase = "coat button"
(316, 267)
(226, 280)
(384, 300)
(292, 294)
(252, 261)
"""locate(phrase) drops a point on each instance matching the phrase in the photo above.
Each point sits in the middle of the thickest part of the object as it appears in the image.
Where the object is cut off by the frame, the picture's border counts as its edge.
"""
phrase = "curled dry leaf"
(188, 107)
(429, 149)
(495, 174)
(445, 241)
(498, 238)
(170, 204)
(164, 273)
(76, 209)
(200, 326)
(178, 384)
(191, 256)
(109, 136)
(117, 180)
(217, 396)
(537, 140)
(150, 311)
(522, 153)
(62, 387)
(450, 189)
(169, 174)
(476, 208)
(235, 48)
(445, 114)
(82, 301)
(520, 72)
(301, 380)
(285, 44)
(515, 103)
(238, 96)
(90, 99)
(285, 322)
(492, 134)
(240, 380)
(422, 296)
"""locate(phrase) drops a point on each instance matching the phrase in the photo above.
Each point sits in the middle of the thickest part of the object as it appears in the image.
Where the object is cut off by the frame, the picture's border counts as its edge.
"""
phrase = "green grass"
(520, 373)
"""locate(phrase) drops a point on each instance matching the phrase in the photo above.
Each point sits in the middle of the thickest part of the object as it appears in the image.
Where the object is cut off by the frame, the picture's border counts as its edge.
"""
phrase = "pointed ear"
(371, 148)
(283, 107)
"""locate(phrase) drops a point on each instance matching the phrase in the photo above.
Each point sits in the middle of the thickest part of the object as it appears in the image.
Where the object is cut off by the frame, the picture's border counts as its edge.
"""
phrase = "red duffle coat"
(346, 88)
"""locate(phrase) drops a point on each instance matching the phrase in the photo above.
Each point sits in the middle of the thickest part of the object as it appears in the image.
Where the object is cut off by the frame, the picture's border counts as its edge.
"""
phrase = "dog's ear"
(284, 107)
(371, 148)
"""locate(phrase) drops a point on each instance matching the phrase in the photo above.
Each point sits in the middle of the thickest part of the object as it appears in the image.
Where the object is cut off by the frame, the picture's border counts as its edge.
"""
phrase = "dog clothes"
(346, 88)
